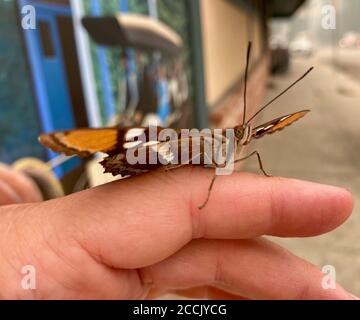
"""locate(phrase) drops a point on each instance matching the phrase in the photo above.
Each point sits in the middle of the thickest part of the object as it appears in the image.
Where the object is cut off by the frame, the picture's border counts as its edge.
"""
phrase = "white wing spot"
(135, 132)
(150, 143)
(133, 144)
(165, 152)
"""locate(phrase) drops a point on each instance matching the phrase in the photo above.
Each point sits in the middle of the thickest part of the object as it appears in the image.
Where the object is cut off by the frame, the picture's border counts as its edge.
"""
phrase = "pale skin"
(145, 236)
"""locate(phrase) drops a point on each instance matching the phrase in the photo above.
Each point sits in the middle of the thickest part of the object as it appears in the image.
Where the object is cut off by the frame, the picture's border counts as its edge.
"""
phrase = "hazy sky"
(309, 17)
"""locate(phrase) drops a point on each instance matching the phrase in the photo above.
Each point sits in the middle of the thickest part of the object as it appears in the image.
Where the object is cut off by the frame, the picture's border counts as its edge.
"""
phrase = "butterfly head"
(243, 134)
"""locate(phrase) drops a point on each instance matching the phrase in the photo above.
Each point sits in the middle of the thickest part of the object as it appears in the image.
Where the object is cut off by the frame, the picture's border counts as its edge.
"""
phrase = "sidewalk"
(323, 147)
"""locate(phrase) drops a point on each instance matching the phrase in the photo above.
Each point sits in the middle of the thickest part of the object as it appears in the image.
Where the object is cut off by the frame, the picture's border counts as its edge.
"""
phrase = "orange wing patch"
(82, 142)
(277, 124)
(288, 120)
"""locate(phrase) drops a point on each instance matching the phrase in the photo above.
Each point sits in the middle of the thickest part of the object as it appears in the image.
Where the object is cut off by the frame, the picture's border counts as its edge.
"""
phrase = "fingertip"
(26, 189)
(285, 207)
(324, 207)
(342, 204)
(8, 195)
(333, 205)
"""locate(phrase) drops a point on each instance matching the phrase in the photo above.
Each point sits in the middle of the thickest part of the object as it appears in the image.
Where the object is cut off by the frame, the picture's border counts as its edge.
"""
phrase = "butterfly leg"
(209, 191)
(215, 165)
(222, 166)
(259, 161)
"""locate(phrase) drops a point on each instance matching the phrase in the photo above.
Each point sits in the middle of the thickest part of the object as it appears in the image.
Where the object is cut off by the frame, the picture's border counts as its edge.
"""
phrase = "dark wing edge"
(116, 165)
(64, 141)
(52, 142)
(277, 124)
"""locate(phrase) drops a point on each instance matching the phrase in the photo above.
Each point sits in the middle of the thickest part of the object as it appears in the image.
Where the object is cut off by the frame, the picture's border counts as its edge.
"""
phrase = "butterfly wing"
(117, 142)
(82, 142)
(85, 142)
(170, 154)
(277, 124)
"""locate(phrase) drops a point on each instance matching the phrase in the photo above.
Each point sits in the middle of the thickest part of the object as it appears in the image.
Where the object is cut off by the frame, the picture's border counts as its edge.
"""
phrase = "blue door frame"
(104, 71)
(48, 74)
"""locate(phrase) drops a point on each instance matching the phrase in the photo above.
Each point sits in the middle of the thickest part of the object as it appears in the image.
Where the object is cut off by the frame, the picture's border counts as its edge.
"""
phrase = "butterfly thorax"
(243, 134)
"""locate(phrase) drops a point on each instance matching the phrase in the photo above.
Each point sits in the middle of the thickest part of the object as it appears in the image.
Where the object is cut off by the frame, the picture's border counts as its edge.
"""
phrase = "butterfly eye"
(239, 132)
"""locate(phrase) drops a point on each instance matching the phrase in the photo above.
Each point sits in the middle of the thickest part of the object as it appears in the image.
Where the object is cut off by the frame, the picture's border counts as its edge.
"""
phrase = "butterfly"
(168, 152)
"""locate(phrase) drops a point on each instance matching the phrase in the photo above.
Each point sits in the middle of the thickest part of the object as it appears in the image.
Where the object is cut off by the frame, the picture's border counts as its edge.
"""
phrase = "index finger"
(140, 221)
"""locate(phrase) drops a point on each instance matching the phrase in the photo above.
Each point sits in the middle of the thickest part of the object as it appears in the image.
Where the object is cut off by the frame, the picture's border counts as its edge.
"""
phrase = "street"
(323, 147)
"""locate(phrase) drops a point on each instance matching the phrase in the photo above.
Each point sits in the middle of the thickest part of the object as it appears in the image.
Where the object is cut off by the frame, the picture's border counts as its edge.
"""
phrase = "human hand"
(15, 187)
(144, 236)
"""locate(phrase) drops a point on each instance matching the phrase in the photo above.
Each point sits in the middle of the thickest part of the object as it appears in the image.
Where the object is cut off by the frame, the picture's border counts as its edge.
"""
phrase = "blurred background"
(76, 63)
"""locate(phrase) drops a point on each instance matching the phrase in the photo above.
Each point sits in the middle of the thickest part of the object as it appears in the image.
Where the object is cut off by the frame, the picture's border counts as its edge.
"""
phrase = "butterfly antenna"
(245, 80)
(280, 94)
